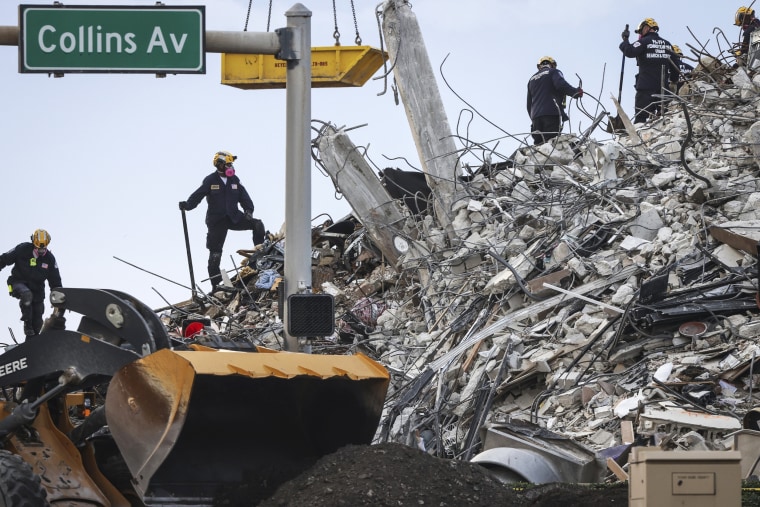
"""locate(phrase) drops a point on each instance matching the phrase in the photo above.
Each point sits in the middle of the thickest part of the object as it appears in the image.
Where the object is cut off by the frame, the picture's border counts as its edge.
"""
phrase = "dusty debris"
(604, 290)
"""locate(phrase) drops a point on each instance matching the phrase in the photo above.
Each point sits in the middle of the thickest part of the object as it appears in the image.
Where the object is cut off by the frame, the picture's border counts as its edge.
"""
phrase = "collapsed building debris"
(603, 291)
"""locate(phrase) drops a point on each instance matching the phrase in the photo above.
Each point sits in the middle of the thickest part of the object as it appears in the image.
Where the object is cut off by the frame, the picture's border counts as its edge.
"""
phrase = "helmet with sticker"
(41, 238)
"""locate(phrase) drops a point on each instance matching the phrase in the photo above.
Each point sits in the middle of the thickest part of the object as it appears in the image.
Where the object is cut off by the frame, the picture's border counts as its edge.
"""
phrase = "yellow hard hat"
(546, 59)
(677, 50)
(41, 238)
(651, 23)
(223, 158)
(742, 14)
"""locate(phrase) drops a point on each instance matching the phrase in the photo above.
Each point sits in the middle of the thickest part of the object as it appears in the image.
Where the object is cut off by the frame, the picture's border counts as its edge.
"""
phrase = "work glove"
(626, 34)
(578, 94)
(183, 205)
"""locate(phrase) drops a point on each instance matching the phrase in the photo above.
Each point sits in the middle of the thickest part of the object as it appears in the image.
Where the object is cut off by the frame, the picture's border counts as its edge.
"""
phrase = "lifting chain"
(336, 33)
(248, 15)
(358, 40)
(269, 15)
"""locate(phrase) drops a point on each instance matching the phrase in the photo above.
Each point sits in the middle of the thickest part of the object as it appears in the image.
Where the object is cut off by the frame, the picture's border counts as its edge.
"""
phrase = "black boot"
(29, 329)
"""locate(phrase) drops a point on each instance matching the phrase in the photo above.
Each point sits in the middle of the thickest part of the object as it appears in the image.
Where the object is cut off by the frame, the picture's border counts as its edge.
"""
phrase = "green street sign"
(152, 39)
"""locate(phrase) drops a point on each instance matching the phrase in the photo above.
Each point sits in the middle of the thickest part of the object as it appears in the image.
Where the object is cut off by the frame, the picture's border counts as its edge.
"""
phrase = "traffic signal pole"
(292, 44)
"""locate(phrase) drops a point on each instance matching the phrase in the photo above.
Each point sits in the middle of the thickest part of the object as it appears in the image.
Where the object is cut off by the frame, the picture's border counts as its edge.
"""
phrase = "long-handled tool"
(622, 73)
(189, 257)
(615, 124)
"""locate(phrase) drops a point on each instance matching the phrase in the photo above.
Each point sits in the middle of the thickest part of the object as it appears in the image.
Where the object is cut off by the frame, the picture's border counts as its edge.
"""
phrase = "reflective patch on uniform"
(234, 186)
(636, 44)
(214, 187)
(33, 261)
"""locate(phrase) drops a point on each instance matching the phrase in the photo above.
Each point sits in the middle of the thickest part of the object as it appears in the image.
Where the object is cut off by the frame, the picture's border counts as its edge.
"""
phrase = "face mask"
(229, 171)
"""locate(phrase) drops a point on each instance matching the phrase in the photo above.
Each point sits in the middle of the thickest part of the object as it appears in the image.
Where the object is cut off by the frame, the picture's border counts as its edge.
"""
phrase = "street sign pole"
(292, 44)
(298, 164)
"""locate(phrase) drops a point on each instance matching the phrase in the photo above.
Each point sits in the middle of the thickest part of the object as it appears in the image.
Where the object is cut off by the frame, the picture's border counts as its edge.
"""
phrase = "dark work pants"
(647, 105)
(217, 234)
(32, 305)
(545, 128)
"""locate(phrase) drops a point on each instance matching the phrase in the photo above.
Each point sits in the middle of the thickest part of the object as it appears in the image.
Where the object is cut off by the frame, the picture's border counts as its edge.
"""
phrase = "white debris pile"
(603, 290)
(595, 283)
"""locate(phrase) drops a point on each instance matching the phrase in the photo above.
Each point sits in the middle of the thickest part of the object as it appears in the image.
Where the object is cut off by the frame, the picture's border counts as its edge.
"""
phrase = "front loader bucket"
(197, 424)
(146, 407)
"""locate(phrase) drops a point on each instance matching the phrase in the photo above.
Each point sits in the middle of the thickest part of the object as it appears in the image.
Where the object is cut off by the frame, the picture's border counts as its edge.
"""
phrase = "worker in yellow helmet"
(33, 263)
(547, 90)
(653, 57)
(225, 195)
(684, 69)
(745, 18)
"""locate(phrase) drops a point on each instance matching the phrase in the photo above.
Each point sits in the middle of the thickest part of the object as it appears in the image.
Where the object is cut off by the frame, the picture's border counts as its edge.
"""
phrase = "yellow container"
(331, 67)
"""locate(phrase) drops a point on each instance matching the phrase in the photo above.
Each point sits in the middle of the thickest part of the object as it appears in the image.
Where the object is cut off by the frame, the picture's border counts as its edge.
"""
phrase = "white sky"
(101, 160)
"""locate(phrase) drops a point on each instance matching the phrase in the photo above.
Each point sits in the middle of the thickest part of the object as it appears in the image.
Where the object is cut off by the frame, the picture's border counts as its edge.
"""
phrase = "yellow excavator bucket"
(193, 421)
(331, 66)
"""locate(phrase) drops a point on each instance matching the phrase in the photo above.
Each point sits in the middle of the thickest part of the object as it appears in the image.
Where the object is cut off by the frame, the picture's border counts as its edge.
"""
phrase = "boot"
(28, 329)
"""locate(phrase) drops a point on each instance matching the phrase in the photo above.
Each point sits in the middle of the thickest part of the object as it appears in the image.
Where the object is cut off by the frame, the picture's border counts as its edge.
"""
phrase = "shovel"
(616, 124)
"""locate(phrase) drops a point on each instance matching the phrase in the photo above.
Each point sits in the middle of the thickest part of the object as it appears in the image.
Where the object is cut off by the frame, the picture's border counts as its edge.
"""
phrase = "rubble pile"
(603, 290)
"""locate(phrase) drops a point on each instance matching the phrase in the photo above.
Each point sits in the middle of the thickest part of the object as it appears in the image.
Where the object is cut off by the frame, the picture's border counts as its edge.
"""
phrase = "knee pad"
(26, 298)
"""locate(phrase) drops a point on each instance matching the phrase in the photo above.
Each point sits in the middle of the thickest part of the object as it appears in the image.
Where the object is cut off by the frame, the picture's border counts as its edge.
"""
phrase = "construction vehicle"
(118, 413)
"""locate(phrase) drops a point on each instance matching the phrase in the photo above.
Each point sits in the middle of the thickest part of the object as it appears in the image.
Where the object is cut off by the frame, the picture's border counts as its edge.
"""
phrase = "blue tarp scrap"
(267, 278)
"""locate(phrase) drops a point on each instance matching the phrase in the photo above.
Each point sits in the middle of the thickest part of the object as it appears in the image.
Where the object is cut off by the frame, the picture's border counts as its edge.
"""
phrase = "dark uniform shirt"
(31, 270)
(547, 89)
(653, 56)
(746, 34)
(684, 71)
(222, 198)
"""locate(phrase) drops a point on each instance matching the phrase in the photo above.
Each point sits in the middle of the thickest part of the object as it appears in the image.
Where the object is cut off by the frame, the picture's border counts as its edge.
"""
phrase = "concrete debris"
(648, 337)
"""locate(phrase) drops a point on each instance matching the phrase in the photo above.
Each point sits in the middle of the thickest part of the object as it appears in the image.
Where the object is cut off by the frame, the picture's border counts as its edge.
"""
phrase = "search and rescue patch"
(214, 187)
(234, 186)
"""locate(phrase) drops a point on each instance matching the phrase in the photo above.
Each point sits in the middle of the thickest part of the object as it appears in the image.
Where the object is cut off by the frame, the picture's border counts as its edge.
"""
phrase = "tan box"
(660, 478)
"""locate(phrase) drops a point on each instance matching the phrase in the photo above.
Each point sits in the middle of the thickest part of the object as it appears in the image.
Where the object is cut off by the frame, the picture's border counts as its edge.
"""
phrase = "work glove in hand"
(183, 205)
(625, 34)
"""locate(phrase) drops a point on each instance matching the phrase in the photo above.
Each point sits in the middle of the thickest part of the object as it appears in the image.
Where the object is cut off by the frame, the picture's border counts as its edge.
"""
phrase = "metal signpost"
(172, 40)
(153, 39)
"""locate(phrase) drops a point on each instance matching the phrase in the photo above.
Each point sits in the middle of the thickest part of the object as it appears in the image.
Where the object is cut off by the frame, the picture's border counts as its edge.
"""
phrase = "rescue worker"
(653, 56)
(684, 69)
(745, 18)
(547, 90)
(32, 264)
(223, 192)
